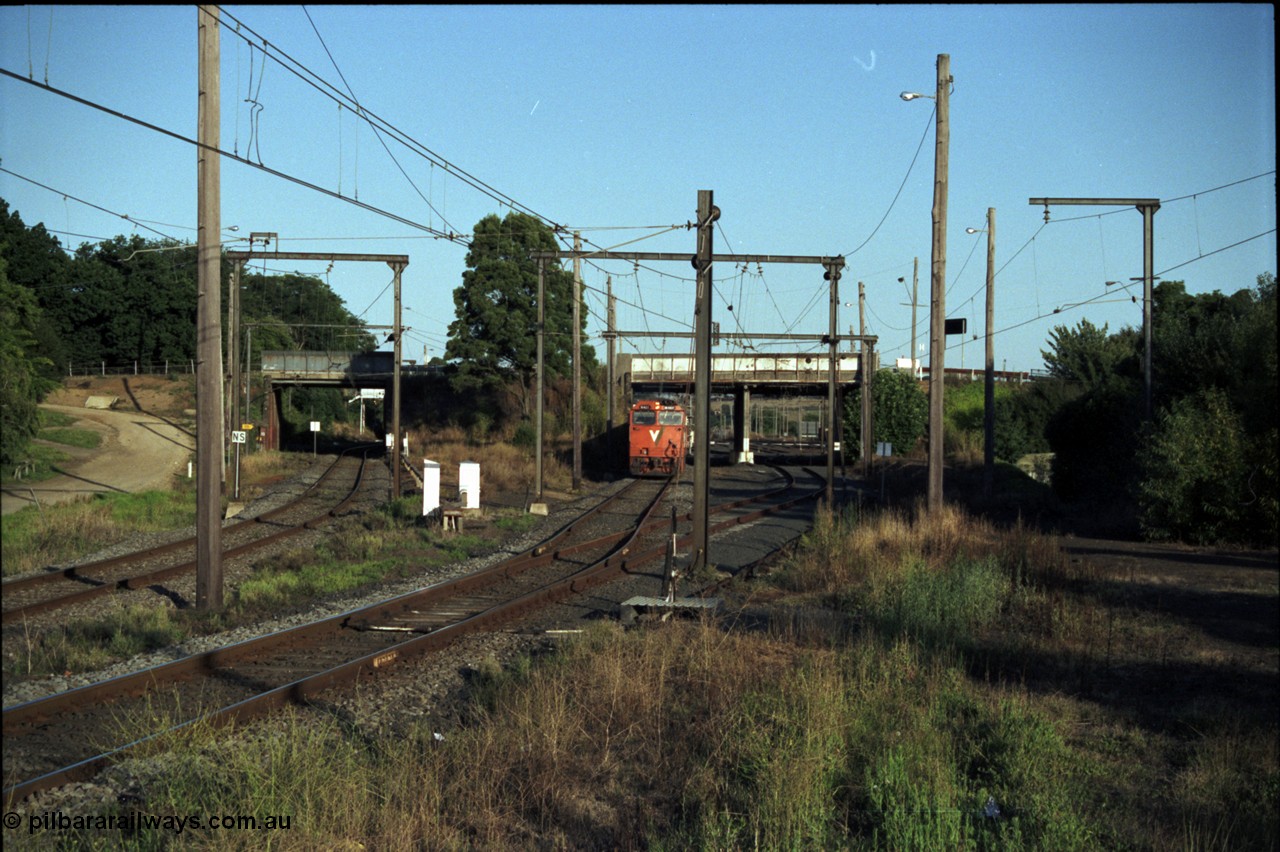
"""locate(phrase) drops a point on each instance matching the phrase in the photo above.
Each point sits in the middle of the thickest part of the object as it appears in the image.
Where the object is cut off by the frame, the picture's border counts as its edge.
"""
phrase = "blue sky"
(607, 118)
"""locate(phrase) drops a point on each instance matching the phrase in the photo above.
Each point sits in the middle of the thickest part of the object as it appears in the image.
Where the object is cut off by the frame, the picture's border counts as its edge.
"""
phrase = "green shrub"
(1094, 440)
(1194, 473)
(938, 606)
(899, 415)
(526, 436)
(1012, 439)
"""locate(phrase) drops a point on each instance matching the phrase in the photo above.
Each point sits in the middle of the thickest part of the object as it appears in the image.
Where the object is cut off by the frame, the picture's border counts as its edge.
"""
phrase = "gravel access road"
(139, 452)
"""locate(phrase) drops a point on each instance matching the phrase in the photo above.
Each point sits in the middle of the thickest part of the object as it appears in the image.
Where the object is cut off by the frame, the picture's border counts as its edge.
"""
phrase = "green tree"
(1257, 354)
(1094, 439)
(1034, 405)
(1087, 354)
(900, 411)
(1012, 441)
(1209, 471)
(1194, 472)
(493, 338)
(314, 316)
(1216, 341)
(144, 292)
(37, 261)
(21, 387)
(1206, 469)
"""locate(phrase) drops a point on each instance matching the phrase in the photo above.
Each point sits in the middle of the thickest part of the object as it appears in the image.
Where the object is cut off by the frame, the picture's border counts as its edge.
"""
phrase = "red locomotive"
(659, 438)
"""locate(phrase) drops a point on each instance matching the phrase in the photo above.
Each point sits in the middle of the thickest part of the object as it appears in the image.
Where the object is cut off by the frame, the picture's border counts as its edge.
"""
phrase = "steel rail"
(74, 572)
(127, 684)
(300, 690)
(38, 712)
(141, 580)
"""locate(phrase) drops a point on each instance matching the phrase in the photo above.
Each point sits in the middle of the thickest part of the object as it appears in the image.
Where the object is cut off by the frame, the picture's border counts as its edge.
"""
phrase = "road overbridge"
(320, 368)
(744, 375)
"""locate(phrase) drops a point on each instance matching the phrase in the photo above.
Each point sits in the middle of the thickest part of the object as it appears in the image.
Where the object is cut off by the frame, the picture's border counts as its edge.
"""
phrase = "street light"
(937, 309)
(989, 390)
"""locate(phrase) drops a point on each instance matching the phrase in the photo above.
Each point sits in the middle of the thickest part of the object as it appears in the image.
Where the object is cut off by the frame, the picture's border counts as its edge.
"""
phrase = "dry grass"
(843, 552)
(56, 536)
(504, 469)
(945, 723)
(60, 533)
(268, 464)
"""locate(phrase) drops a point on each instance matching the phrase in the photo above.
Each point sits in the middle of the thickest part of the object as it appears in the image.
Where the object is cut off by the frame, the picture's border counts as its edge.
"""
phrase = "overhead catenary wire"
(1126, 287)
(242, 160)
(739, 301)
(327, 89)
(125, 216)
(905, 177)
(374, 127)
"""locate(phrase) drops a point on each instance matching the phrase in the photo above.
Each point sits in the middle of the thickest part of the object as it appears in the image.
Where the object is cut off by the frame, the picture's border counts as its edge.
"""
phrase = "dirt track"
(139, 452)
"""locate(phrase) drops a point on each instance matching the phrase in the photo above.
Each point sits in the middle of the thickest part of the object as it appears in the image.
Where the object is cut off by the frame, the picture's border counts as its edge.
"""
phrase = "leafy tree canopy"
(1205, 468)
(130, 299)
(1086, 353)
(900, 411)
(21, 387)
(37, 262)
(493, 337)
(300, 312)
(140, 295)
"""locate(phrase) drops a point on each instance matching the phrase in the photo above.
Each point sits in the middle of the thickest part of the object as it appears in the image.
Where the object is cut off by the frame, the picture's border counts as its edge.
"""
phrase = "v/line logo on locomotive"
(659, 438)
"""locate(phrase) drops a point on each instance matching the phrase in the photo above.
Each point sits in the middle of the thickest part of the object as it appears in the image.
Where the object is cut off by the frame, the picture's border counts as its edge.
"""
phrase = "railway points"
(373, 641)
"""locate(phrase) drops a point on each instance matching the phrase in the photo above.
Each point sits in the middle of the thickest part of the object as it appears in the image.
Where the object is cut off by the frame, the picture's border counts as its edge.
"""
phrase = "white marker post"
(430, 487)
(315, 433)
(469, 484)
(237, 438)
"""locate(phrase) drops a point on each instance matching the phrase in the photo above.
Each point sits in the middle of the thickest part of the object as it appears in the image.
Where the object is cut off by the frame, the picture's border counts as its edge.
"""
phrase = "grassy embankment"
(949, 686)
(42, 459)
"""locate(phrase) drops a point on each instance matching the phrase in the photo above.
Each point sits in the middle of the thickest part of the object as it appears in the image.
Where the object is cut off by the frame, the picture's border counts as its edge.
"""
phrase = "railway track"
(65, 737)
(326, 498)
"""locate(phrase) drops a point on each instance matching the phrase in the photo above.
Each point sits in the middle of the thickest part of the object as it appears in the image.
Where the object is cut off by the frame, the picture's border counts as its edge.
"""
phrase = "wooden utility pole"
(989, 394)
(938, 284)
(209, 414)
(233, 345)
(707, 215)
(864, 369)
(396, 463)
(833, 358)
(915, 285)
(248, 371)
(610, 343)
(577, 363)
(537, 420)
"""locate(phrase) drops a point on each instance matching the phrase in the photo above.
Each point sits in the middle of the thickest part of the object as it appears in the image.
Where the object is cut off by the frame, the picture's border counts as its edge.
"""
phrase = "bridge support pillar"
(271, 436)
(742, 425)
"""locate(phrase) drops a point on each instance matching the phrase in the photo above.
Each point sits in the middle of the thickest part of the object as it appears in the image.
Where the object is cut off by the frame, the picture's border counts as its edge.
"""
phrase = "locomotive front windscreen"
(671, 418)
(644, 417)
